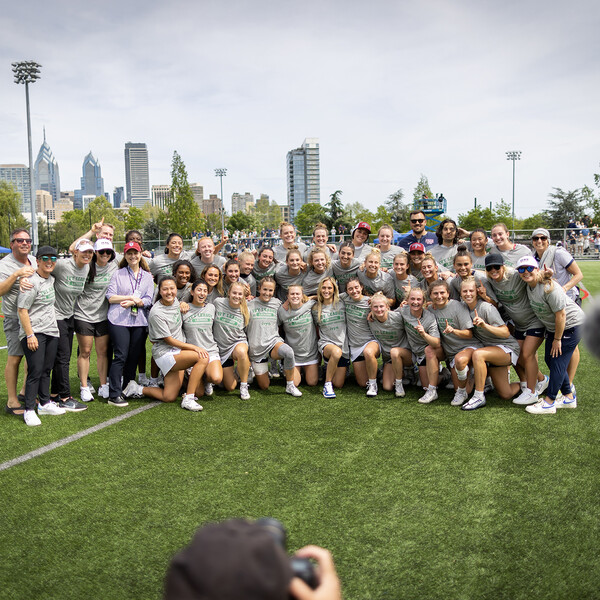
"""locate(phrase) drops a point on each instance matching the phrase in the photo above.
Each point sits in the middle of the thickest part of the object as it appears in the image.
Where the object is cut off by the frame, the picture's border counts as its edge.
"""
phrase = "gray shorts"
(11, 331)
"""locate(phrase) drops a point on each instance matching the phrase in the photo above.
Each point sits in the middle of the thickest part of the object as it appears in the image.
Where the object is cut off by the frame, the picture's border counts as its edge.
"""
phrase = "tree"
(357, 213)
(336, 209)
(240, 221)
(398, 211)
(184, 215)
(381, 217)
(73, 225)
(308, 216)
(477, 217)
(422, 188)
(100, 208)
(134, 219)
(12, 218)
(564, 206)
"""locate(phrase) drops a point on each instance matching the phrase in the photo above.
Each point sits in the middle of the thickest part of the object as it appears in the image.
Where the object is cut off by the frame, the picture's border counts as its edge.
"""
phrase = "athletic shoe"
(85, 394)
(208, 389)
(564, 402)
(189, 403)
(143, 380)
(328, 390)
(459, 397)
(244, 391)
(541, 408)
(91, 386)
(291, 389)
(399, 389)
(540, 386)
(153, 382)
(525, 397)
(133, 390)
(50, 408)
(71, 405)
(120, 401)
(372, 389)
(104, 391)
(428, 397)
(274, 369)
(473, 403)
(31, 418)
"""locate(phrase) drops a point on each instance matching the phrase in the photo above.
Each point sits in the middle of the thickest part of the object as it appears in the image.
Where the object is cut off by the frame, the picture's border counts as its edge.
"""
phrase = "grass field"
(414, 501)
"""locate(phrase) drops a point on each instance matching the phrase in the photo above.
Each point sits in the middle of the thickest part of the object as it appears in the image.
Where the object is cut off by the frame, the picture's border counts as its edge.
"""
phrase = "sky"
(392, 89)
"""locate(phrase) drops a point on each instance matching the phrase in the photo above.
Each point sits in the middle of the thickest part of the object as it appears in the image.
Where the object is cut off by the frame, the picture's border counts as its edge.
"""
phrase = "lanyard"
(132, 280)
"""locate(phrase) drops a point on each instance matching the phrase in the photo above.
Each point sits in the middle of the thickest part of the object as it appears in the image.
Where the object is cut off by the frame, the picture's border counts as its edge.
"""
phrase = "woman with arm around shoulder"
(510, 252)
(562, 319)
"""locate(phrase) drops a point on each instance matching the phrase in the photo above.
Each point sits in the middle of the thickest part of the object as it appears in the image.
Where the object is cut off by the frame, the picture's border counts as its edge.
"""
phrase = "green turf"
(414, 501)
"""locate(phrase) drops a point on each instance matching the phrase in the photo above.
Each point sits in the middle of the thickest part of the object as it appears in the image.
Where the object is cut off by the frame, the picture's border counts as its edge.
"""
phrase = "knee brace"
(287, 354)
(462, 373)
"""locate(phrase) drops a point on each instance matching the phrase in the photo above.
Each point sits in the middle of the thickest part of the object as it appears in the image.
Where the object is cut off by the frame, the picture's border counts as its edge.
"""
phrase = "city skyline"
(392, 90)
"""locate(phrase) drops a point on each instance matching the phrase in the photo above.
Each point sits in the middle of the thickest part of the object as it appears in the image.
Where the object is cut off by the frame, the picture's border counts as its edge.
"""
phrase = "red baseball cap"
(416, 247)
(361, 225)
(132, 246)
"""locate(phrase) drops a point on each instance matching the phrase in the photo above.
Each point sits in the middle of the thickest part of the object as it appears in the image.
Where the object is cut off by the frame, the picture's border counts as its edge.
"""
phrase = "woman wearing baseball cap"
(360, 236)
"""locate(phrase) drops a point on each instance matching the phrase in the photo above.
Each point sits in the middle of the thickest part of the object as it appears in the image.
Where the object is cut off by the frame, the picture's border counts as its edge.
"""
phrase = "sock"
(523, 385)
(478, 394)
(432, 388)
(372, 381)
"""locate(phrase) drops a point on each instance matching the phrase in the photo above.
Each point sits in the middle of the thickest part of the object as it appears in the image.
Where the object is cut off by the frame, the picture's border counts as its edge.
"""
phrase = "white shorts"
(316, 361)
(213, 356)
(472, 348)
(166, 361)
(513, 357)
(260, 368)
(356, 352)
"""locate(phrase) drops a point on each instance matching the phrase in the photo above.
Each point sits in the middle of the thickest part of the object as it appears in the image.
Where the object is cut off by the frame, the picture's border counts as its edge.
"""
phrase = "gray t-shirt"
(457, 315)
(478, 262)
(39, 302)
(164, 321)
(480, 279)
(250, 282)
(300, 331)
(512, 293)
(489, 313)
(262, 330)
(403, 286)
(8, 265)
(327, 251)
(280, 252)
(184, 294)
(218, 261)
(228, 326)
(259, 273)
(162, 265)
(382, 282)
(357, 326)
(311, 281)
(69, 282)
(444, 255)
(198, 327)
(415, 342)
(389, 333)
(387, 257)
(560, 262)
(512, 256)
(547, 304)
(343, 275)
(92, 305)
(361, 253)
(284, 280)
(332, 326)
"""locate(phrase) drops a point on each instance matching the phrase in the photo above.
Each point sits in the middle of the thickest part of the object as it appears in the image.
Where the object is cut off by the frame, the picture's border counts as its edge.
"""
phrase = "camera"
(301, 567)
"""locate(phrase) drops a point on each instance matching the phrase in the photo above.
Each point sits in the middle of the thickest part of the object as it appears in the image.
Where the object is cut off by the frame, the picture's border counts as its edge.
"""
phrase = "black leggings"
(128, 343)
(39, 366)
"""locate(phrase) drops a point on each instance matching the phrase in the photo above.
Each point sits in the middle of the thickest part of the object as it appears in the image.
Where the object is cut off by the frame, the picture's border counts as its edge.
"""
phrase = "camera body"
(302, 568)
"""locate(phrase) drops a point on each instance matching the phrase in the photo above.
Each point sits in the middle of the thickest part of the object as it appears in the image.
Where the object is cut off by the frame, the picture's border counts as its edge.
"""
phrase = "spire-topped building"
(46, 173)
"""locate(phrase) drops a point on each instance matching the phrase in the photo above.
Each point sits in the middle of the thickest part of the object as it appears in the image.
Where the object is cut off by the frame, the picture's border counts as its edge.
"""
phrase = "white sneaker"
(153, 382)
(91, 386)
(244, 391)
(372, 389)
(291, 389)
(50, 408)
(133, 390)
(31, 418)
(250, 376)
(143, 380)
(85, 394)
(428, 397)
(541, 408)
(564, 402)
(474, 403)
(540, 386)
(328, 390)
(189, 403)
(525, 397)
(399, 389)
(459, 397)
(208, 389)
(104, 391)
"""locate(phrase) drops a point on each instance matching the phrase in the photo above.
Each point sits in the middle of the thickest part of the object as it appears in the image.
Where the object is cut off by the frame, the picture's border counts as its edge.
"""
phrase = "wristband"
(558, 340)
(30, 336)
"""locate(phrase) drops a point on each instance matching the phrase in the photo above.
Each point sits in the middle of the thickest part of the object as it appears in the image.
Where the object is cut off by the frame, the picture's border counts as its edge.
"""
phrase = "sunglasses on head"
(47, 258)
(535, 238)
(22, 240)
(417, 220)
(493, 268)
(528, 268)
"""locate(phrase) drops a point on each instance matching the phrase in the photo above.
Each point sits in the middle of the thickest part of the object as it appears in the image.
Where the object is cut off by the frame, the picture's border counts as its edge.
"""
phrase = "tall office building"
(303, 176)
(241, 202)
(212, 205)
(46, 175)
(118, 196)
(92, 183)
(161, 195)
(136, 174)
(18, 176)
(198, 193)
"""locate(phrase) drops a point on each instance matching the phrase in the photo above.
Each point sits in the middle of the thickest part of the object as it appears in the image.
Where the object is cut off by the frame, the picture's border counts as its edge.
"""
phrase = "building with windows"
(137, 179)
(241, 202)
(118, 196)
(161, 195)
(18, 176)
(303, 176)
(92, 183)
(198, 192)
(212, 204)
(43, 201)
(45, 171)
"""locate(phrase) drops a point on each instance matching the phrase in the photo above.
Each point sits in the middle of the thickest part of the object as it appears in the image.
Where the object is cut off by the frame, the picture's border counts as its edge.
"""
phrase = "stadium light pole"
(27, 72)
(222, 173)
(513, 155)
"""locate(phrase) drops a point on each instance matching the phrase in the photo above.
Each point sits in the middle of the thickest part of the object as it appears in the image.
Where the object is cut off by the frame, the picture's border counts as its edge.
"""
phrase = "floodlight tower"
(513, 155)
(222, 173)
(28, 72)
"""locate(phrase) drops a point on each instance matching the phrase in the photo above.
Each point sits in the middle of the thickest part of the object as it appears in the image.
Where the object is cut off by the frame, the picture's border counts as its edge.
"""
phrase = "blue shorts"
(538, 332)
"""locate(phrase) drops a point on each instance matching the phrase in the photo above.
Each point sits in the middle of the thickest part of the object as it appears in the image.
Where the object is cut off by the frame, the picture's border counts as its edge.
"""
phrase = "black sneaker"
(120, 401)
(71, 405)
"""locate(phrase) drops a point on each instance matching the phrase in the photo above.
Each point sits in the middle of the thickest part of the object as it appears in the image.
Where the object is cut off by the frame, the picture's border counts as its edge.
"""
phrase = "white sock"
(372, 381)
(478, 394)
(432, 388)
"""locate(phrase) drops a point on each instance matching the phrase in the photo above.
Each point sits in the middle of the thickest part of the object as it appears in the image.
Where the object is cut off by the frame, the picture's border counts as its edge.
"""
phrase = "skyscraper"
(118, 197)
(46, 176)
(92, 183)
(303, 176)
(136, 174)
(18, 176)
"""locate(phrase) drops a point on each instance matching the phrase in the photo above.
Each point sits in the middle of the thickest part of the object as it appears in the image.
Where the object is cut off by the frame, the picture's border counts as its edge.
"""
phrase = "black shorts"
(228, 363)
(537, 332)
(91, 329)
(343, 362)
(360, 358)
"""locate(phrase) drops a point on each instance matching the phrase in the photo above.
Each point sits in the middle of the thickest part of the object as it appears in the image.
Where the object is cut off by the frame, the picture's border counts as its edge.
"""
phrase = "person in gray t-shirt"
(403, 281)
(289, 273)
(346, 266)
(385, 236)
(162, 264)
(205, 255)
(373, 279)
(510, 252)
(288, 237)
(319, 267)
(463, 267)
(265, 264)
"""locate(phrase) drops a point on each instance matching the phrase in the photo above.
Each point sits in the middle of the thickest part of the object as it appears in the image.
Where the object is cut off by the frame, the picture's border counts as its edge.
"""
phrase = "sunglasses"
(104, 251)
(417, 220)
(493, 268)
(528, 268)
(47, 258)
(536, 238)
(22, 241)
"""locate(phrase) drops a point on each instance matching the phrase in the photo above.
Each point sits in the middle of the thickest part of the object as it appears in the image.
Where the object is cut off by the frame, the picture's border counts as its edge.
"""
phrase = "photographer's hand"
(329, 584)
